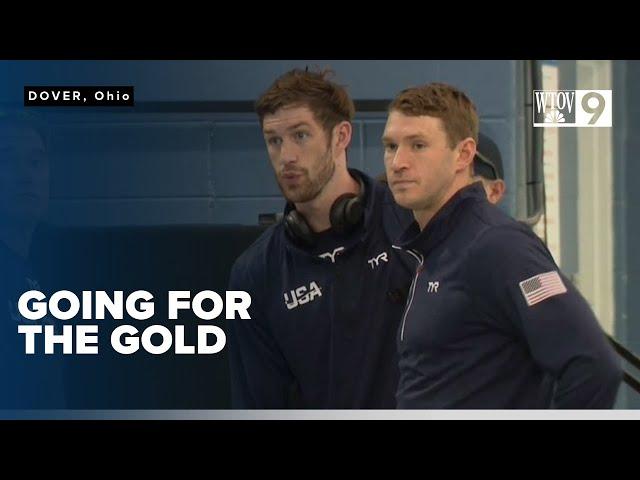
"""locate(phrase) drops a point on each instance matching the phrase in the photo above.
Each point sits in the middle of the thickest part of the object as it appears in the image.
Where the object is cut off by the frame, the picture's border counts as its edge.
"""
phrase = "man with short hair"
(26, 380)
(489, 314)
(326, 284)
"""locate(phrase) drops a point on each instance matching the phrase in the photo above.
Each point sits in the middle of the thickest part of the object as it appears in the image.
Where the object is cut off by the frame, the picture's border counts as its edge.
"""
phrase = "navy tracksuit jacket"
(323, 320)
(491, 322)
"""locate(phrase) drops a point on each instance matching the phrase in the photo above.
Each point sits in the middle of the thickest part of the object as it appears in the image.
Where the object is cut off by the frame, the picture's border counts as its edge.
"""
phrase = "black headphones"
(345, 214)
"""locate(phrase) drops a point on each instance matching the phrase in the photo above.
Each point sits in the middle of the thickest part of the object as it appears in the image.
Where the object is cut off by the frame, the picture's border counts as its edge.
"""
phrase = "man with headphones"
(327, 286)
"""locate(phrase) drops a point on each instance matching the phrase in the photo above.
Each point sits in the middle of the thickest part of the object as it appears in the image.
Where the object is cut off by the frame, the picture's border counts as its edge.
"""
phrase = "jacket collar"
(443, 222)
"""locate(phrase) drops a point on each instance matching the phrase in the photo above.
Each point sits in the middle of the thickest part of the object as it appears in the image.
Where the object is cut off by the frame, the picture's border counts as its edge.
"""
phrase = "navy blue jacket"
(27, 381)
(323, 321)
(470, 339)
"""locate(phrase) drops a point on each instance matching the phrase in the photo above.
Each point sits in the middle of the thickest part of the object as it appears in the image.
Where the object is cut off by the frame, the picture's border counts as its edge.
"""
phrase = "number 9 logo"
(597, 110)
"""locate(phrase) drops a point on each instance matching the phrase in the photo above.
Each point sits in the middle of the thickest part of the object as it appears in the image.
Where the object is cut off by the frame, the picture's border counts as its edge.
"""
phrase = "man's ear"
(466, 151)
(496, 191)
(342, 135)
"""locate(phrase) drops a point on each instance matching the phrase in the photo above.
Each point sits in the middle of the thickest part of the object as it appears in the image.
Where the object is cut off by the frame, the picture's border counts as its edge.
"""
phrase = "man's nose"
(400, 159)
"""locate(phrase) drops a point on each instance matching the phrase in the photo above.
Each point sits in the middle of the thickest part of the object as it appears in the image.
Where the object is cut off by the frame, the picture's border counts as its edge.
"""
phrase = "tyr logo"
(375, 261)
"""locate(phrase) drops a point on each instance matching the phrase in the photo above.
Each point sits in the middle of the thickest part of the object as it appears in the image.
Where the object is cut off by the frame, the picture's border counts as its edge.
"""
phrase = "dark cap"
(488, 162)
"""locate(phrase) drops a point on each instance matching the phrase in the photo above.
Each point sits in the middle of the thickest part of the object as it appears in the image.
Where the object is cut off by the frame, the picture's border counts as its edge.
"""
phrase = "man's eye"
(274, 141)
(301, 135)
(390, 147)
(419, 146)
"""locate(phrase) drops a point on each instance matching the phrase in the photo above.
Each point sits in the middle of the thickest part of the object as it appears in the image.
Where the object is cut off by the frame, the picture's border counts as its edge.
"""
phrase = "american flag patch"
(541, 287)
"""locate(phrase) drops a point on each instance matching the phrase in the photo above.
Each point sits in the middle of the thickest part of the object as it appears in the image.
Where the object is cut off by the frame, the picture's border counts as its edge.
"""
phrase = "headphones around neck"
(345, 214)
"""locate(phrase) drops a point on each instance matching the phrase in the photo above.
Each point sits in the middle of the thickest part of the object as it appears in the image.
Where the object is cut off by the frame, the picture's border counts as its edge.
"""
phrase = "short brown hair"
(329, 102)
(452, 106)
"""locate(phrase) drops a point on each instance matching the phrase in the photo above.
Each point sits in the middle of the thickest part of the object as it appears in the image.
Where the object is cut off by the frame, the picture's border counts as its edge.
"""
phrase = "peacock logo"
(554, 116)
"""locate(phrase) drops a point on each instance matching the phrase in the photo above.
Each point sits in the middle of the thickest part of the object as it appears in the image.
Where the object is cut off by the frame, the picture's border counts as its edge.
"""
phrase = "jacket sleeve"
(547, 313)
(260, 376)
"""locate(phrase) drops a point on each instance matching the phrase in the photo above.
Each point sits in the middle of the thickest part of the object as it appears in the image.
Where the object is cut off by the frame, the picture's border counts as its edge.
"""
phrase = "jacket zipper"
(412, 290)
